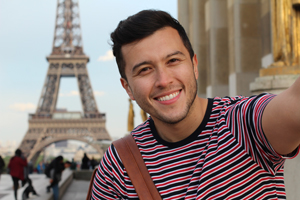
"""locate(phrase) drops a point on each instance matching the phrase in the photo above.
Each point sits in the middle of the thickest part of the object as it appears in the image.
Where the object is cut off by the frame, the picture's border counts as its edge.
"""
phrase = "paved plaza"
(39, 182)
(76, 191)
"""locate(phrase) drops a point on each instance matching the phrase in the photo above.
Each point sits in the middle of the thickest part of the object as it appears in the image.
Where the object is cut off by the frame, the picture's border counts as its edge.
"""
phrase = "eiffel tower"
(48, 125)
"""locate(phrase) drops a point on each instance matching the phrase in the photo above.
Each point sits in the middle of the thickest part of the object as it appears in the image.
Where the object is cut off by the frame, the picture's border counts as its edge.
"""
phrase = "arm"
(281, 120)
(52, 175)
(108, 183)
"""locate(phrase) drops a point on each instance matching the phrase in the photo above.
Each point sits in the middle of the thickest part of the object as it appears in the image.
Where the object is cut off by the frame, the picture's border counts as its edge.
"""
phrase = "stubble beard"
(174, 119)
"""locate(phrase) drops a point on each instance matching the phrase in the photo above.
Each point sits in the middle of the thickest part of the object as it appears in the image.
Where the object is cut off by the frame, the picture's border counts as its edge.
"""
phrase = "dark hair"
(140, 26)
(18, 152)
(68, 162)
(59, 158)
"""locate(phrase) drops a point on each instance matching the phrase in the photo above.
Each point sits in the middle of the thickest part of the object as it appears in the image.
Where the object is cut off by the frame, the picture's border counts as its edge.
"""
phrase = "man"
(54, 172)
(85, 164)
(16, 167)
(195, 148)
(73, 165)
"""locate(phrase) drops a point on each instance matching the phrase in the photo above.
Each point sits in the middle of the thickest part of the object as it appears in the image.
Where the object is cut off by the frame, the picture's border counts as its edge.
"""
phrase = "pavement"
(39, 182)
(76, 190)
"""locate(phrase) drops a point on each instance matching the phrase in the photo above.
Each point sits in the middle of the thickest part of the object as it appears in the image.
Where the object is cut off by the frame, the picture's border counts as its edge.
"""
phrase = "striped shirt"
(227, 157)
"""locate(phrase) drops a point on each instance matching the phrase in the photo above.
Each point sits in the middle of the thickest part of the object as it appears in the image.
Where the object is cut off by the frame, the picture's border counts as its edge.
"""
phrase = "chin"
(172, 119)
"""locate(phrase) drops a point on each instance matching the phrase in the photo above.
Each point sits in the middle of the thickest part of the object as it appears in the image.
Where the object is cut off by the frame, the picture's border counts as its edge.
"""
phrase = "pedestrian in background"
(30, 167)
(16, 167)
(85, 162)
(2, 165)
(94, 163)
(41, 167)
(73, 165)
(54, 172)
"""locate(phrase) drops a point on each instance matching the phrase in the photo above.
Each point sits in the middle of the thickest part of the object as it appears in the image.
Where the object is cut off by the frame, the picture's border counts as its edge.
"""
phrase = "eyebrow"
(174, 53)
(149, 62)
(140, 64)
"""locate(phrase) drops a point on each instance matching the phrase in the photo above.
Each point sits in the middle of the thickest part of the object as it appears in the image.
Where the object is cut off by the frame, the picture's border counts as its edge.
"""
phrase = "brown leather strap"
(89, 194)
(136, 168)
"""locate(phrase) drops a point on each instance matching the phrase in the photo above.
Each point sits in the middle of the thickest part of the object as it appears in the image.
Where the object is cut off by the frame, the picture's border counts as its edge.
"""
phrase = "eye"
(173, 60)
(144, 70)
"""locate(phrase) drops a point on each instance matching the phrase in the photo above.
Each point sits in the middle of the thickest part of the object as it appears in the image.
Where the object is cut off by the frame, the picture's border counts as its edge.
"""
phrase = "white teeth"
(168, 97)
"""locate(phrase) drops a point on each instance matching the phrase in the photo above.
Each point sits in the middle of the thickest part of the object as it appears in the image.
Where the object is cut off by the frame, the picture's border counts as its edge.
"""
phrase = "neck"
(183, 129)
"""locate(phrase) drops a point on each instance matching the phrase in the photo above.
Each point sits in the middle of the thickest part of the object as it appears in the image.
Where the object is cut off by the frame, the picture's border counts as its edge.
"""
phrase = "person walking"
(16, 166)
(54, 172)
(2, 165)
(85, 162)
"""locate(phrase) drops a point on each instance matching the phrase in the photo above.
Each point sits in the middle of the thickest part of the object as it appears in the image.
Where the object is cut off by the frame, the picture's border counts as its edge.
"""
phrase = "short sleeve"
(245, 122)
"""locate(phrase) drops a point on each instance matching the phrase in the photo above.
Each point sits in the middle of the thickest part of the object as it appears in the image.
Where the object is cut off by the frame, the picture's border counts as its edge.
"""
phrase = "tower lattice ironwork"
(48, 125)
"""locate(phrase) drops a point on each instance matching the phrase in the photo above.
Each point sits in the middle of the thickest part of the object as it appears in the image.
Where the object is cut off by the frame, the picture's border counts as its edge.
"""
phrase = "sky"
(26, 36)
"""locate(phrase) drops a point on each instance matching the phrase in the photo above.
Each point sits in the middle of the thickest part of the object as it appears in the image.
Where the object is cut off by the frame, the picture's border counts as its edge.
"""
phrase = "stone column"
(292, 178)
(267, 57)
(216, 27)
(244, 45)
(198, 39)
(183, 14)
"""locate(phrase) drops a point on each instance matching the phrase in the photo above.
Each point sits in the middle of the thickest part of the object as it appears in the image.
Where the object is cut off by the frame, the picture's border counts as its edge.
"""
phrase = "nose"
(163, 77)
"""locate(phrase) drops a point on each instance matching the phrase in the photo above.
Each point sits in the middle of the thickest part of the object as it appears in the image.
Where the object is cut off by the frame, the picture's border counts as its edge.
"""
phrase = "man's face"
(160, 75)
(67, 165)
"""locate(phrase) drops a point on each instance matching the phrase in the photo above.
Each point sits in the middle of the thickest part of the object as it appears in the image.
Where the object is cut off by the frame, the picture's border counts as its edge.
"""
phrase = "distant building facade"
(232, 40)
(8, 148)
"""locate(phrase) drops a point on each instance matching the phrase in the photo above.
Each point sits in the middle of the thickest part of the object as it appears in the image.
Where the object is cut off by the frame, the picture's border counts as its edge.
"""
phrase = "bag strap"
(136, 168)
(90, 191)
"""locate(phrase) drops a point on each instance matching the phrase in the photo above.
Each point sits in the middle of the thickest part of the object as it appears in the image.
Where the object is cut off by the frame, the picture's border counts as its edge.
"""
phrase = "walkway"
(39, 182)
(77, 190)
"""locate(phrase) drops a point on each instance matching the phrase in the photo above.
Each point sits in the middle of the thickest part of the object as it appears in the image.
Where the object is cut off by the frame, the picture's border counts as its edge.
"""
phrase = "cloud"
(72, 93)
(108, 56)
(99, 93)
(22, 107)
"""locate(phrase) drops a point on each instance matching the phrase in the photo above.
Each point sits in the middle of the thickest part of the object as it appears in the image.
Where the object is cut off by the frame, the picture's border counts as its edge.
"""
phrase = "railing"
(66, 114)
(40, 116)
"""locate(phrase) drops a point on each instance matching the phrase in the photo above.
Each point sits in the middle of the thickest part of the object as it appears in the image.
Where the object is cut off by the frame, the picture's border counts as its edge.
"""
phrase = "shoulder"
(227, 102)
(111, 158)
(145, 134)
(142, 128)
(16, 159)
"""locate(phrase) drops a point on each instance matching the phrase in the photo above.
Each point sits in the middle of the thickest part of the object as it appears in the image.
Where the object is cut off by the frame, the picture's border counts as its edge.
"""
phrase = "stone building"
(232, 40)
(235, 43)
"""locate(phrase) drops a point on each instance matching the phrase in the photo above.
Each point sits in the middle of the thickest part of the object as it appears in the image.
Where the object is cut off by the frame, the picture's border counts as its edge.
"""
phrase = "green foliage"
(38, 160)
(6, 161)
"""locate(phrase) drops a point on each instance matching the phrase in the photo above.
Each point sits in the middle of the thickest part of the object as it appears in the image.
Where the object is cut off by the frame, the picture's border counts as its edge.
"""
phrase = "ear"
(127, 88)
(195, 65)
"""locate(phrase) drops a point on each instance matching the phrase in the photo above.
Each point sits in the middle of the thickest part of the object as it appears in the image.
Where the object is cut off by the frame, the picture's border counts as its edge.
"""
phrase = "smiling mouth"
(168, 97)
